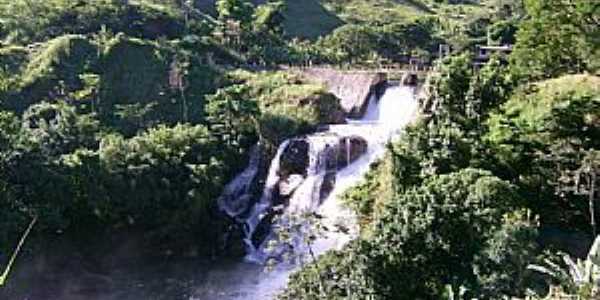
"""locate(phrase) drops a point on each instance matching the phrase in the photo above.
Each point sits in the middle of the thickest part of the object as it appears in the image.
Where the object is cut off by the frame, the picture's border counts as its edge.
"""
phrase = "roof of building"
(500, 48)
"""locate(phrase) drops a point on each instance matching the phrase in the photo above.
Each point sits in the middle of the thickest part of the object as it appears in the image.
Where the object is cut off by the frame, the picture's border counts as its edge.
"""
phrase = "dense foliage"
(121, 116)
(427, 238)
(557, 37)
(132, 116)
(537, 141)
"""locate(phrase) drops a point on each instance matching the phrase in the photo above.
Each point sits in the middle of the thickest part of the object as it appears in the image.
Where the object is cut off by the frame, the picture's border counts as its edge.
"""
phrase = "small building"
(484, 53)
(417, 63)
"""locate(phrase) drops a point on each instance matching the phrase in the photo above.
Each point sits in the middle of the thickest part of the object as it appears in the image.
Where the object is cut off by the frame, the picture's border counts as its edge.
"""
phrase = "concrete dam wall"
(353, 88)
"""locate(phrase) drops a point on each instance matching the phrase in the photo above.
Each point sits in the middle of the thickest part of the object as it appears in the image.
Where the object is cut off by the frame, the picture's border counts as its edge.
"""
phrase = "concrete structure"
(484, 53)
(353, 87)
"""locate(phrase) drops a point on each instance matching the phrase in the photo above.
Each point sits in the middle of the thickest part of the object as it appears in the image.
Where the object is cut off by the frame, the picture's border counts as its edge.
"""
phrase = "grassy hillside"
(309, 19)
(305, 19)
(314, 18)
(377, 11)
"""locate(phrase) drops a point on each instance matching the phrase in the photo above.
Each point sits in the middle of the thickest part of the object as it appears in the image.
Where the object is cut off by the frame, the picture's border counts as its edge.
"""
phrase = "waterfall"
(308, 175)
(236, 195)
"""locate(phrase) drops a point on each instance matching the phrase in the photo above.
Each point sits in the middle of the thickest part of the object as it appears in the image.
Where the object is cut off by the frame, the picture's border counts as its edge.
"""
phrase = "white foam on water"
(384, 119)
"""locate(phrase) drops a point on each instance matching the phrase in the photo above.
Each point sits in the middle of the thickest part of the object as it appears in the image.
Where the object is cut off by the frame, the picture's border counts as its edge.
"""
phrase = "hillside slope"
(313, 18)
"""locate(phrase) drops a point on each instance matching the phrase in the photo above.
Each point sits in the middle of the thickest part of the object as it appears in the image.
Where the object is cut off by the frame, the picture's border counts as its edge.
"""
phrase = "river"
(191, 279)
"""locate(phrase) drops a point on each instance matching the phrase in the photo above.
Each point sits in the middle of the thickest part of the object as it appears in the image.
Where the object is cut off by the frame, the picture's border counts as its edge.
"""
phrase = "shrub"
(54, 71)
(28, 22)
(543, 130)
(447, 231)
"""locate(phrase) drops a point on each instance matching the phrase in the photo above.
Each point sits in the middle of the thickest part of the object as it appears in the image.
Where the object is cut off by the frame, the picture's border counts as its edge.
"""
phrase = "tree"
(167, 179)
(449, 230)
(56, 129)
(431, 235)
(269, 17)
(133, 117)
(502, 267)
(9, 131)
(267, 34)
(350, 43)
(237, 10)
(489, 88)
(584, 181)
(87, 97)
(232, 115)
(540, 137)
(337, 275)
(559, 36)
(448, 98)
(576, 278)
(178, 80)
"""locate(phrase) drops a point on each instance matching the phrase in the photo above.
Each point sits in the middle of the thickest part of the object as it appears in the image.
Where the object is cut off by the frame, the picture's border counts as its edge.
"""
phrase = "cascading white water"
(257, 211)
(383, 120)
(236, 195)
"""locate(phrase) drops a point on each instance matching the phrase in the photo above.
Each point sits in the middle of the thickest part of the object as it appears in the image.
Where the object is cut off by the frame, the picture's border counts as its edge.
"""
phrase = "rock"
(410, 79)
(295, 158)
(238, 205)
(263, 230)
(351, 149)
(327, 186)
(290, 184)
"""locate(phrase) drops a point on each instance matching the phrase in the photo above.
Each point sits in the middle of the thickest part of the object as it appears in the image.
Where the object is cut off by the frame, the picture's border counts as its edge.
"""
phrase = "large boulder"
(351, 148)
(288, 186)
(411, 79)
(295, 158)
(338, 152)
(327, 186)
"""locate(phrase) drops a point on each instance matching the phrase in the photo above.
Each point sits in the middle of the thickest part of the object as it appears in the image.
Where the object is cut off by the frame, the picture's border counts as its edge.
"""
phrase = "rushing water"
(231, 279)
(384, 119)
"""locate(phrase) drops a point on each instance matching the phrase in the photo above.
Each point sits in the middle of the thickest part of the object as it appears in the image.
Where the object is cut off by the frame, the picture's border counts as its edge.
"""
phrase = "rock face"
(410, 79)
(354, 88)
(351, 148)
(303, 160)
(295, 158)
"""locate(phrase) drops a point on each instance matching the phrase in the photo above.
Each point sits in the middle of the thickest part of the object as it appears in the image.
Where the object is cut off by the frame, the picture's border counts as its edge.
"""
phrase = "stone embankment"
(353, 88)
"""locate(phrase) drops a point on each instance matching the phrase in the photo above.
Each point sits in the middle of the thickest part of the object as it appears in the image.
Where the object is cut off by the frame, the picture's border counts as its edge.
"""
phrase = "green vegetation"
(543, 131)
(558, 37)
(131, 116)
(36, 21)
(379, 11)
(290, 105)
(427, 231)
(54, 69)
(108, 125)
(309, 19)
(427, 238)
